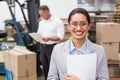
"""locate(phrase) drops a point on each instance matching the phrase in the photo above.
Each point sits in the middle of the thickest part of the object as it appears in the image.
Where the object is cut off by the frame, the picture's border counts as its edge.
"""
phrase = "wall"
(60, 8)
(5, 13)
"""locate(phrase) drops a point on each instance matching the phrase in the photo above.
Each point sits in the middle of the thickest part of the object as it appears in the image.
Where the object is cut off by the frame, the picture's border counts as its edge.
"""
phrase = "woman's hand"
(70, 77)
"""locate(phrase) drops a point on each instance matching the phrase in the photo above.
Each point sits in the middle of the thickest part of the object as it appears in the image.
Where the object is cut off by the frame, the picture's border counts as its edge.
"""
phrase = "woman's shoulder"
(61, 44)
(99, 49)
(98, 45)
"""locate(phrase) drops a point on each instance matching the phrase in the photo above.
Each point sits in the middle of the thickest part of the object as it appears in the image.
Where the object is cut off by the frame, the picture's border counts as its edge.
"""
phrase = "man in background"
(52, 31)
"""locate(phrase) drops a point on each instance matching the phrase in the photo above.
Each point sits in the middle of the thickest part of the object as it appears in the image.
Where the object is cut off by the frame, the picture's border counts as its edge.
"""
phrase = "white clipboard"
(37, 37)
(82, 66)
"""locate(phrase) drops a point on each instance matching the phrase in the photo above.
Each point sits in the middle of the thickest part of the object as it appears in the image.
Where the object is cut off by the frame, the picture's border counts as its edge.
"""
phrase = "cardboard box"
(114, 71)
(22, 62)
(20, 47)
(66, 28)
(107, 32)
(29, 77)
(119, 56)
(10, 31)
(67, 35)
(1, 56)
(112, 50)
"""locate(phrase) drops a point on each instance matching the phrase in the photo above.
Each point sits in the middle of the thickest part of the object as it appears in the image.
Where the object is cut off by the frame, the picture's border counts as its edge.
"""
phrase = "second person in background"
(52, 31)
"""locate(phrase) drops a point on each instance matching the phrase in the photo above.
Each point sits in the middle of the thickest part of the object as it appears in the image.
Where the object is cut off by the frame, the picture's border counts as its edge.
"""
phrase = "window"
(103, 5)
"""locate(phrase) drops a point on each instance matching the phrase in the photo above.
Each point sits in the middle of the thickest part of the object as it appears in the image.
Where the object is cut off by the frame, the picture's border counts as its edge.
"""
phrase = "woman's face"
(78, 26)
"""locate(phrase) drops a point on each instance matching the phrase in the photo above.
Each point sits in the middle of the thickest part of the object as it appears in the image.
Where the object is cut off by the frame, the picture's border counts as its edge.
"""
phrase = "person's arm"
(61, 30)
(53, 38)
(102, 73)
(53, 69)
(60, 33)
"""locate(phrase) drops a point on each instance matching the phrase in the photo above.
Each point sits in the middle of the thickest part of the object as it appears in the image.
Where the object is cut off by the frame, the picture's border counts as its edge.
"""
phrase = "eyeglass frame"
(81, 25)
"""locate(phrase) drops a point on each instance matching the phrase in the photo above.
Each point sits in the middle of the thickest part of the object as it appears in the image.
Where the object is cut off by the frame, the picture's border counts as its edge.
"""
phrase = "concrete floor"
(41, 77)
(114, 78)
(2, 77)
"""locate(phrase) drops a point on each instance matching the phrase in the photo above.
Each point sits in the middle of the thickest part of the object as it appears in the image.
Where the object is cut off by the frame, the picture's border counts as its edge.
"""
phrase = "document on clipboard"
(82, 66)
(37, 37)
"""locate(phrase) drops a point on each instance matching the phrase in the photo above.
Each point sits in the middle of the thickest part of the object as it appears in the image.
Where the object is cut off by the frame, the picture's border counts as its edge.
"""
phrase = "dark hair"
(44, 8)
(79, 10)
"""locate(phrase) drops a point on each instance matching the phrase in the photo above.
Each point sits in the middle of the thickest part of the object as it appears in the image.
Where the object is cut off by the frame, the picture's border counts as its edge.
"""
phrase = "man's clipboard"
(37, 37)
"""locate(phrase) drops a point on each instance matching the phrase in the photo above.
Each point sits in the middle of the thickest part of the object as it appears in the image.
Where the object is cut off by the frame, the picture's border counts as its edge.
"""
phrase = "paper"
(82, 66)
(36, 36)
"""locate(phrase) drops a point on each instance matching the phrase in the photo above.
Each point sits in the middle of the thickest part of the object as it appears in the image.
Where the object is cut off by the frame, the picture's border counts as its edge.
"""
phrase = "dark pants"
(45, 55)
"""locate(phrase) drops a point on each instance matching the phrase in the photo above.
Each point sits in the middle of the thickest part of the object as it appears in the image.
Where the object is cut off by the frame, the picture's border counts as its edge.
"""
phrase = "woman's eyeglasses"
(82, 25)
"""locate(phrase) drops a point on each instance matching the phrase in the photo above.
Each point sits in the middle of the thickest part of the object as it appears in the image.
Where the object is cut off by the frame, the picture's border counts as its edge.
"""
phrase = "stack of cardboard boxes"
(22, 63)
(67, 33)
(107, 35)
(116, 15)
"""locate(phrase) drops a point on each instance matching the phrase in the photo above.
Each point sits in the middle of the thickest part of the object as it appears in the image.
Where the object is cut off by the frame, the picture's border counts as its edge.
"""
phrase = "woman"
(78, 25)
